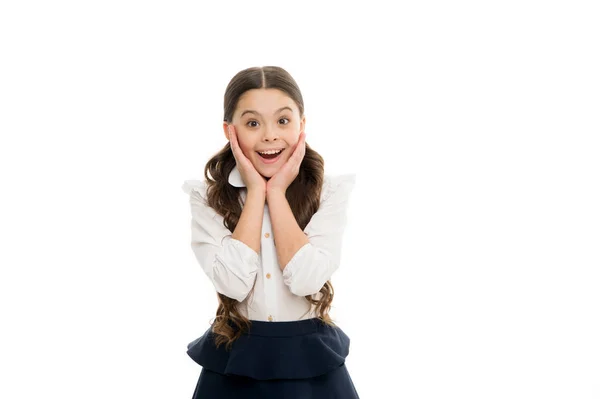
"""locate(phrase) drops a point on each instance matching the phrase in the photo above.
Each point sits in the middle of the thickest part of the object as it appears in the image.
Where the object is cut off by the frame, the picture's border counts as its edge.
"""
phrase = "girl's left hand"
(288, 172)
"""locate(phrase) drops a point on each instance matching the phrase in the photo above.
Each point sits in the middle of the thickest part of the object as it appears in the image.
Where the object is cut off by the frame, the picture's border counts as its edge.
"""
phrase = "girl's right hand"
(253, 179)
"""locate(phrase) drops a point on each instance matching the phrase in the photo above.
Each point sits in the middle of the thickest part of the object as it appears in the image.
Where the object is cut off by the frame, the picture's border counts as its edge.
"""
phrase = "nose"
(270, 134)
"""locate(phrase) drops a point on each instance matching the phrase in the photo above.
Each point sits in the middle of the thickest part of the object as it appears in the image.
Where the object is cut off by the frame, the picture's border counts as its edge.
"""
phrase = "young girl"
(267, 230)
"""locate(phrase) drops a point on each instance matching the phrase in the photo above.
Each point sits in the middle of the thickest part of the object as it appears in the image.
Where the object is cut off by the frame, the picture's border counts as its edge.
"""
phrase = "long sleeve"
(314, 263)
(230, 264)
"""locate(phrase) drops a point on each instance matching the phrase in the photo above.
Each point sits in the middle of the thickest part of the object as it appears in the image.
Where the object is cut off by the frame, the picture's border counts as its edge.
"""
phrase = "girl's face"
(266, 119)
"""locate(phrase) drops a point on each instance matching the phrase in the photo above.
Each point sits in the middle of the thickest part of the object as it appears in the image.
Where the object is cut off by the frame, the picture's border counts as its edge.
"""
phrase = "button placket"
(269, 288)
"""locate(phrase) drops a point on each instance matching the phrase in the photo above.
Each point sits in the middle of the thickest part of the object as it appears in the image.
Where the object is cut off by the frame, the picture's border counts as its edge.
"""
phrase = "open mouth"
(271, 157)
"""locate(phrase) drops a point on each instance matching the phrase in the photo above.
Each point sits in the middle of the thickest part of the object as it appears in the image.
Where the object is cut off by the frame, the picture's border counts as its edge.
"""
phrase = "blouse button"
(267, 235)
(268, 275)
(270, 318)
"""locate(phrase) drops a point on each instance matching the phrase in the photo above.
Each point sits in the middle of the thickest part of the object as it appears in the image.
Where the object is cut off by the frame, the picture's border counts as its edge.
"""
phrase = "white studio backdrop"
(471, 258)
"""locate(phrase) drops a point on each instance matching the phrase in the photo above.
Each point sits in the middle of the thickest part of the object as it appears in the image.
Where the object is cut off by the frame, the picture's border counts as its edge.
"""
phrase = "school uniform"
(288, 352)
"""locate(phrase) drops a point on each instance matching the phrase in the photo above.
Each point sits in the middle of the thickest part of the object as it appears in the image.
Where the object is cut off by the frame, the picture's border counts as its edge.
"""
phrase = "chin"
(268, 174)
(267, 171)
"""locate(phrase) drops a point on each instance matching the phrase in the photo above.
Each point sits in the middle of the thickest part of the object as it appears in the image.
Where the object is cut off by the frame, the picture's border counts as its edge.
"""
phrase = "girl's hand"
(250, 175)
(281, 180)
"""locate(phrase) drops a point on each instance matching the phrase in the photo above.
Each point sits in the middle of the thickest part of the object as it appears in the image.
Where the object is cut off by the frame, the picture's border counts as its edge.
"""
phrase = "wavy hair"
(303, 194)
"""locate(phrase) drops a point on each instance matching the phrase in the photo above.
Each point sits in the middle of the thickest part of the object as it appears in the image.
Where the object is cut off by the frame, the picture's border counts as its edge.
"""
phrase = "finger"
(238, 154)
(299, 155)
(294, 157)
(300, 148)
(233, 141)
(231, 134)
(297, 145)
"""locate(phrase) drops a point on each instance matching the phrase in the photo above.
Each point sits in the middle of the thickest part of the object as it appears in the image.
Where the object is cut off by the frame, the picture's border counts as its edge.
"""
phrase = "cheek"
(286, 156)
(246, 149)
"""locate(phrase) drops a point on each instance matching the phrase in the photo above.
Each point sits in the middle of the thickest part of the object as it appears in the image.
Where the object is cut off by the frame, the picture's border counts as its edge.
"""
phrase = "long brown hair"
(303, 194)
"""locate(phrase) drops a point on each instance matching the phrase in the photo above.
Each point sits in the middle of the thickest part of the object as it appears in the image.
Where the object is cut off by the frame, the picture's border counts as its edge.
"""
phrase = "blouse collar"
(235, 178)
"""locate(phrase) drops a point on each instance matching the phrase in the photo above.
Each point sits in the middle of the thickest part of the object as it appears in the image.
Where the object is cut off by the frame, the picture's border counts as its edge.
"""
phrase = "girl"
(267, 230)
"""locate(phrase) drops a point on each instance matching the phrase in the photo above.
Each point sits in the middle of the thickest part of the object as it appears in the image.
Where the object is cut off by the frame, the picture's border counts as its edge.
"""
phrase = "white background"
(471, 259)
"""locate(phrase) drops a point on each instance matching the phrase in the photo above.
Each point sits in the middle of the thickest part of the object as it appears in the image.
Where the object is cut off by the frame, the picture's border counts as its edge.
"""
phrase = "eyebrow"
(254, 112)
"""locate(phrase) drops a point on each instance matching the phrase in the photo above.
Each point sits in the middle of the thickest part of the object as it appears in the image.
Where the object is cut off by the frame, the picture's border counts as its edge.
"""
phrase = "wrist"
(256, 192)
(274, 192)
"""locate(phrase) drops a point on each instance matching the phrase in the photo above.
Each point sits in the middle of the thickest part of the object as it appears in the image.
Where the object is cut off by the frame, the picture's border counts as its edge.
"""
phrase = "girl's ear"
(302, 124)
(225, 130)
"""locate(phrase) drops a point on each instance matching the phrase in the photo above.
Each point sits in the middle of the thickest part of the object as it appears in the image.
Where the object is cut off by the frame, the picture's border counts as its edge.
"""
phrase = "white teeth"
(271, 152)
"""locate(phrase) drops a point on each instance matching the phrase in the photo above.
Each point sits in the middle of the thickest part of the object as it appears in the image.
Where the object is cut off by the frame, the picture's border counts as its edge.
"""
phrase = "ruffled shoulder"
(198, 186)
(274, 357)
(340, 184)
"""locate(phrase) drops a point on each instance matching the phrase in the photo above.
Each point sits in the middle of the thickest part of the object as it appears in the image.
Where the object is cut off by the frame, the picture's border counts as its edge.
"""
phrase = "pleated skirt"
(283, 360)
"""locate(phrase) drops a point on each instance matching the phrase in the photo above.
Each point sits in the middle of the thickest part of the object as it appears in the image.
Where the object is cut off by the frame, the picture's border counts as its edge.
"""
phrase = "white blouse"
(234, 268)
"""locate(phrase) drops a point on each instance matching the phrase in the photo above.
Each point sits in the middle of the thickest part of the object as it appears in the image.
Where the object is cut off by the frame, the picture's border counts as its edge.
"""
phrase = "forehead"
(264, 101)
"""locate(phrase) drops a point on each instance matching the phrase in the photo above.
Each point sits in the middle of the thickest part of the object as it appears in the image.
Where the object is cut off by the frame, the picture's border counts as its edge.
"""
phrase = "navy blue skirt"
(289, 359)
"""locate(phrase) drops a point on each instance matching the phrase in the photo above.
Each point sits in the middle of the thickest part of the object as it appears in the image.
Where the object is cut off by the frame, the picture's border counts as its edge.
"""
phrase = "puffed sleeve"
(314, 263)
(230, 264)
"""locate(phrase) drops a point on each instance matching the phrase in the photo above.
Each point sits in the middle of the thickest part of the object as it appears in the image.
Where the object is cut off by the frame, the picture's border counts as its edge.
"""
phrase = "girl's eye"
(280, 119)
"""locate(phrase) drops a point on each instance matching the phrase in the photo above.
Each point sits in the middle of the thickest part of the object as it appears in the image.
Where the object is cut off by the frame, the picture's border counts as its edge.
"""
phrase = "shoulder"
(201, 210)
(194, 188)
(337, 185)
